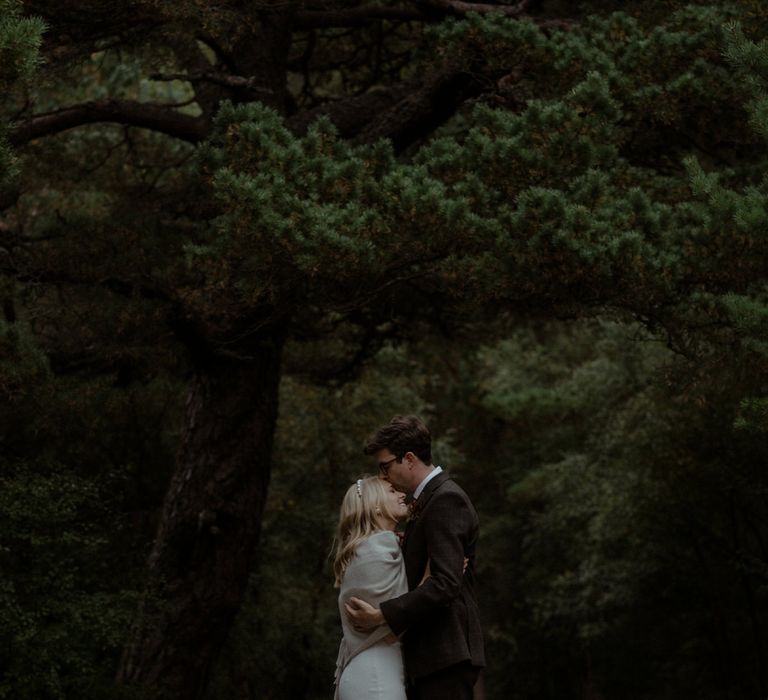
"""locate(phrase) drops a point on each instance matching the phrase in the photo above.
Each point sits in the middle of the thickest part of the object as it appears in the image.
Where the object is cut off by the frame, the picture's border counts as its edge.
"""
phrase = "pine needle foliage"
(20, 39)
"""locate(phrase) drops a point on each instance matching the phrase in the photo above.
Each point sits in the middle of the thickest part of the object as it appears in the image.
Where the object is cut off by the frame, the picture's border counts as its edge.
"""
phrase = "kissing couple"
(409, 614)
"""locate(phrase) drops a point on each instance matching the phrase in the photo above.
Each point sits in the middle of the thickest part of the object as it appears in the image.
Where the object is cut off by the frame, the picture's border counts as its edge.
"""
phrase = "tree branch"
(230, 81)
(163, 119)
(457, 7)
(404, 113)
(422, 109)
(350, 115)
(124, 288)
(433, 10)
(214, 44)
(357, 16)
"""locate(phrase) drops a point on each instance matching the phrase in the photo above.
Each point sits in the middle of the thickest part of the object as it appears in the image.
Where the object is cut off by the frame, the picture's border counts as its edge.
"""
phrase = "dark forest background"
(237, 237)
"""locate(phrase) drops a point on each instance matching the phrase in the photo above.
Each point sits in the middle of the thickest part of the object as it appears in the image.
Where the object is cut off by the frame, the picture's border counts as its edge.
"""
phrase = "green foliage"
(617, 462)
(59, 630)
(614, 509)
(577, 204)
(753, 414)
(736, 226)
(20, 39)
(605, 500)
(64, 604)
(316, 217)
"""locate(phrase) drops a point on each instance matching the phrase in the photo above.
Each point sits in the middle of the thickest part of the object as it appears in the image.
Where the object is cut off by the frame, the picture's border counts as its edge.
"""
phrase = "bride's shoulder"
(381, 540)
(385, 536)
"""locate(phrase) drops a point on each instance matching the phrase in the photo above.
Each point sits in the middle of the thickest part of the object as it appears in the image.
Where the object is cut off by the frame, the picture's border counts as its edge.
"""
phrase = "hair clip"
(360, 487)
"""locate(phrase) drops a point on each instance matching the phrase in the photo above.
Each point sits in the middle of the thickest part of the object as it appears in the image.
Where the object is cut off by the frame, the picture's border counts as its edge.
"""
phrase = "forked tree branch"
(423, 109)
(403, 113)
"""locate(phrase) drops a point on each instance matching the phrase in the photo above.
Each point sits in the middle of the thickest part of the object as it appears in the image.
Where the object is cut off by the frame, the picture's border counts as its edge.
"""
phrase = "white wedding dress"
(368, 666)
(374, 674)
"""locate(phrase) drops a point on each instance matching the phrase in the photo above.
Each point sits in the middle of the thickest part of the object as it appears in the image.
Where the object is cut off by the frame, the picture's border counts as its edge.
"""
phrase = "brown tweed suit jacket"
(440, 618)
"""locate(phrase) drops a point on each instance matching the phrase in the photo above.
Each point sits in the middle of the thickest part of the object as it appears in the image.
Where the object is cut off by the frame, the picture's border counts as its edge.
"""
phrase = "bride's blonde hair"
(358, 518)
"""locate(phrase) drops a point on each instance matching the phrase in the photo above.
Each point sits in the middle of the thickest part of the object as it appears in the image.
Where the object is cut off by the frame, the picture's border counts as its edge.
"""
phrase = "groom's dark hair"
(402, 434)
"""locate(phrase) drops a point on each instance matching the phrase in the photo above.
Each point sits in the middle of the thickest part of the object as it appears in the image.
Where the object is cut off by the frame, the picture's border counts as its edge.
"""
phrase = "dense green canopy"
(235, 238)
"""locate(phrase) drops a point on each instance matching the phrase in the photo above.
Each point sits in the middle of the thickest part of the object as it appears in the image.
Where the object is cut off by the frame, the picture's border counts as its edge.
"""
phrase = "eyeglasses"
(384, 466)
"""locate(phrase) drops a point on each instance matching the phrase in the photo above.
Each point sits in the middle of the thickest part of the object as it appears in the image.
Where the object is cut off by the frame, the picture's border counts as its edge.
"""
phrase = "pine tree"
(522, 162)
(20, 39)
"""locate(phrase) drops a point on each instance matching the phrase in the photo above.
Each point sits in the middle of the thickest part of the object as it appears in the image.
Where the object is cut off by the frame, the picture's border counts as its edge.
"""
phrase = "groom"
(443, 646)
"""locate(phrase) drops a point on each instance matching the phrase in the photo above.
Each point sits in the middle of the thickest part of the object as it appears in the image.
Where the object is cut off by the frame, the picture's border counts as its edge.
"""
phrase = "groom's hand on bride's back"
(363, 616)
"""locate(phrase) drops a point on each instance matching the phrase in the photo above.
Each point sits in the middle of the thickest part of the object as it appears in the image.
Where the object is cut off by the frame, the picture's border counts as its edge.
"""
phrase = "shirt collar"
(425, 481)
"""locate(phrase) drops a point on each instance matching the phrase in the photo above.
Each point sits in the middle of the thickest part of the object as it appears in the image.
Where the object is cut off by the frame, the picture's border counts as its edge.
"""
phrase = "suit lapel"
(432, 486)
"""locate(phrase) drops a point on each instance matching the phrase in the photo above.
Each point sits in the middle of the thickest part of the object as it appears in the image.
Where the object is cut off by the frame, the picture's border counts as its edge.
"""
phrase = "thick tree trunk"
(198, 568)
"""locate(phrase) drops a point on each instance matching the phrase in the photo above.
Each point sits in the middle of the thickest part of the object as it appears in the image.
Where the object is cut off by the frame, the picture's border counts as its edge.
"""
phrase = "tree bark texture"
(210, 524)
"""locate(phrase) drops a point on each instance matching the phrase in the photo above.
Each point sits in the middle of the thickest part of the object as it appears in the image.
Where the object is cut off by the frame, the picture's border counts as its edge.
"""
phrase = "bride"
(368, 564)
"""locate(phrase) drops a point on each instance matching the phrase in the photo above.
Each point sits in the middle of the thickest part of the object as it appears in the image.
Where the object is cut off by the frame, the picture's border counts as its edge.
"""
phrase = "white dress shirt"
(425, 481)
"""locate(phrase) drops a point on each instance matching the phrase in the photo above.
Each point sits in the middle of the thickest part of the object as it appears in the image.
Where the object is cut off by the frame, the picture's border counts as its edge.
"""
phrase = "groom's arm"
(452, 526)
(363, 616)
